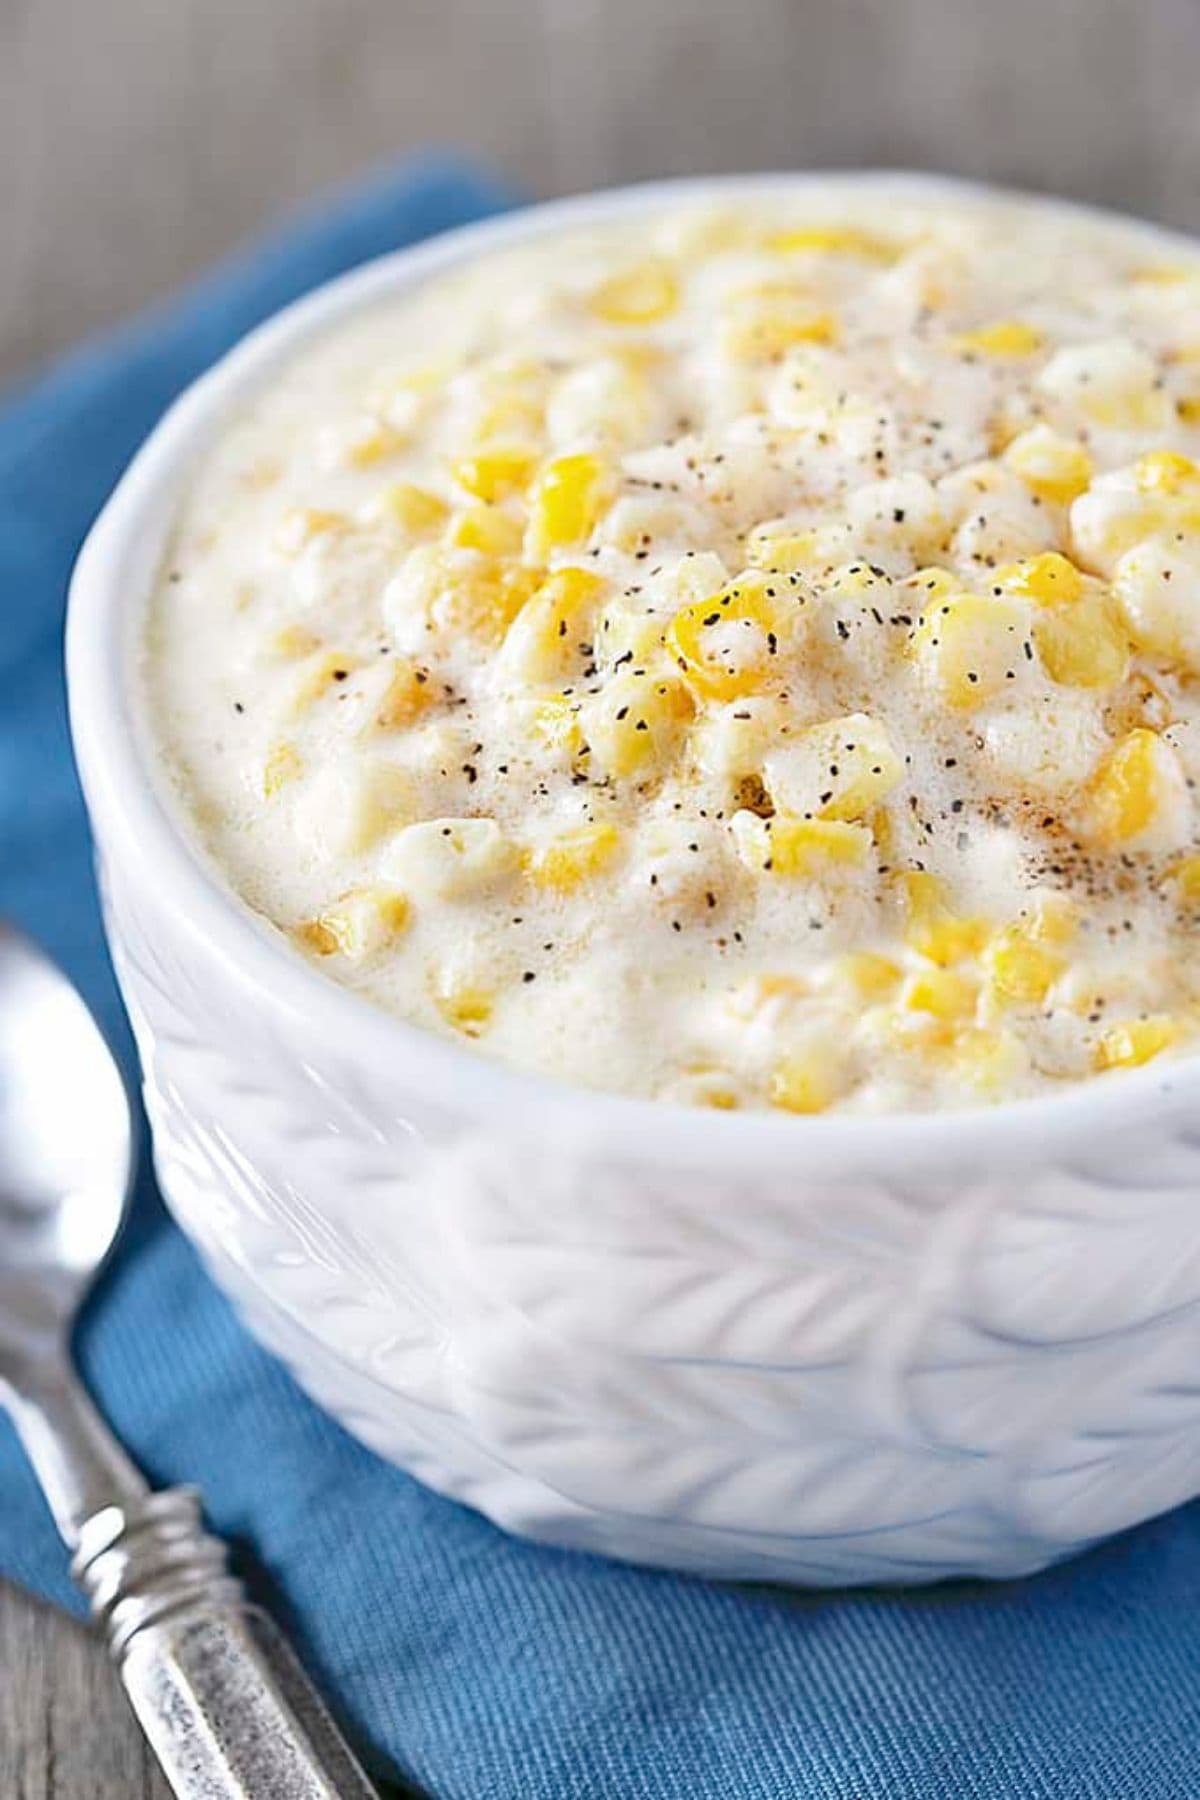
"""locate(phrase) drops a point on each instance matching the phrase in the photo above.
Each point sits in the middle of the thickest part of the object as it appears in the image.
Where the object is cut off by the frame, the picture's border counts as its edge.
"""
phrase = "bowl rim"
(143, 825)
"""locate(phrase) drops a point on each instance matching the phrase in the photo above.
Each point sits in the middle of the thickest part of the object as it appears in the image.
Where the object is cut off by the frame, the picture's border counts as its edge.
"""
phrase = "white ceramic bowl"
(818, 1350)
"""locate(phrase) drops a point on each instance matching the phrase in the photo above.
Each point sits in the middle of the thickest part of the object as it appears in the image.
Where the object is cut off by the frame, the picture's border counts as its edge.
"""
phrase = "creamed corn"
(746, 658)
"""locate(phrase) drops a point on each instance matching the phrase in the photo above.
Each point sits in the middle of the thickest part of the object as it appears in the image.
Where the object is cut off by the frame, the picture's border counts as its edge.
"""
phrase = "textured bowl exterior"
(811, 1351)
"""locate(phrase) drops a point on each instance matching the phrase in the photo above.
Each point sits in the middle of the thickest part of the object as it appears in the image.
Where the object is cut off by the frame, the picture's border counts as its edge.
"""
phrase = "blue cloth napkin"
(474, 1666)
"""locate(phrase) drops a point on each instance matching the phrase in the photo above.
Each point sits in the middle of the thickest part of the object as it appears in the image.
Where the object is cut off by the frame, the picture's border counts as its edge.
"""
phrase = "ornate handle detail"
(226, 1706)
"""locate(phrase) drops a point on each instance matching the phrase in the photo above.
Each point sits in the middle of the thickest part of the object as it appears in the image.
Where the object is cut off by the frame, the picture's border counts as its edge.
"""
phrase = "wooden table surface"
(139, 139)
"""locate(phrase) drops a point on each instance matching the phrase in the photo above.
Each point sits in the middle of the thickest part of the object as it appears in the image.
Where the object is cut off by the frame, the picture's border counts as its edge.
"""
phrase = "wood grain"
(66, 1732)
(139, 140)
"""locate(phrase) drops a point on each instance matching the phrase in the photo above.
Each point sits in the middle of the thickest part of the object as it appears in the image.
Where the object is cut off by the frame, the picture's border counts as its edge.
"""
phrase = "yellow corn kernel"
(1053, 920)
(1166, 274)
(943, 993)
(302, 524)
(931, 928)
(803, 846)
(283, 764)
(865, 974)
(1128, 790)
(263, 473)
(1188, 408)
(932, 274)
(786, 846)
(486, 529)
(625, 635)
(449, 858)
(837, 770)
(1156, 584)
(494, 474)
(638, 359)
(1006, 337)
(883, 831)
(1184, 878)
(764, 328)
(804, 1082)
(702, 1085)
(637, 296)
(894, 1026)
(932, 583)
(1053, 467)
(971, 647)
(464, 1005)
(556, 723)
(1166, 472)
(635, 523)
(787, 552)
(573, 857)
(1085, 645)
(986, 1061)
(636, 722)
(362, 923)
(1108, 521)
(374, 443)
(707, 231)
(1048, 579)
(316, 936)
(506, 402)
(1137, 1041)
(415, 378)
(1005, 424)
(1114, 382)
(868, 768)
(833, 240)
(292, 642)
(509, 415)
(413, 508)
(408, 694)
(515, 586)
(482, 597)
(316, 676)
(565, 504)
(545, 637)
(752, 997)
(347, 807)
(1142, 701)
(692, 579)
(724, 644)
(1019, 970)
(858, 581)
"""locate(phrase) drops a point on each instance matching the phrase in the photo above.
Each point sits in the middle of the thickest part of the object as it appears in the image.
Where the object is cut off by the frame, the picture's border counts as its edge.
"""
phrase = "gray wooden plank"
(1091, 97)
(138, 141)
(66, 1731)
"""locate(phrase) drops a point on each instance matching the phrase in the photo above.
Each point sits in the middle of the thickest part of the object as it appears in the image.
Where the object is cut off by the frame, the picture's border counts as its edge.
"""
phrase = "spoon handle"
(227, 1708)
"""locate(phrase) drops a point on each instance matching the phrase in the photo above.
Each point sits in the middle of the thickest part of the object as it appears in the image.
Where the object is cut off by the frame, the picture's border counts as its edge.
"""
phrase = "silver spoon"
(221, 1697)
